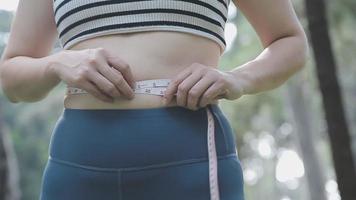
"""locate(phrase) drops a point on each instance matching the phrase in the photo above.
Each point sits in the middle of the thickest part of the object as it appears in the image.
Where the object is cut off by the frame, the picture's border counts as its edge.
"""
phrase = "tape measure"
(157, 87)
(152, 86)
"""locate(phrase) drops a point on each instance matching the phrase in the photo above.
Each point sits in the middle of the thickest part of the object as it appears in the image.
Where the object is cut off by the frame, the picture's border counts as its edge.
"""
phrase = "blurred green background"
(276, 131)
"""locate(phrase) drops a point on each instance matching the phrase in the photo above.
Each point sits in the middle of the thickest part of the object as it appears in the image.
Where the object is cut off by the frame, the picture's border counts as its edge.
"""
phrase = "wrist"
(53, 69)
(242, 79)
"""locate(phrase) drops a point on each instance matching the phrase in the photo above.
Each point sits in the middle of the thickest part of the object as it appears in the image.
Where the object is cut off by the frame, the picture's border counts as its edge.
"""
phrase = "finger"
(196, 92)
(122, 66)
(185, 86)
(116, 78)
(105, 70)
(123, 86)
(104, 84)
(173, 85)
(93, 90)
(211, 94)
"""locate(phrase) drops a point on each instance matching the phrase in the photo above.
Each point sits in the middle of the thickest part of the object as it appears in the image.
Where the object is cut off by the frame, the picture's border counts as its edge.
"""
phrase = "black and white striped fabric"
(78, 20)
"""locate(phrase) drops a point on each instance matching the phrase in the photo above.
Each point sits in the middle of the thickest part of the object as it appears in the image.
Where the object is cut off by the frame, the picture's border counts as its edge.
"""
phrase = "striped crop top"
(78, 20)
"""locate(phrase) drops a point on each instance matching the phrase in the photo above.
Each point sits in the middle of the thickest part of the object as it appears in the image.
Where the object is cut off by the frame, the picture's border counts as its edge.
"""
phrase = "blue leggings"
(138, 154)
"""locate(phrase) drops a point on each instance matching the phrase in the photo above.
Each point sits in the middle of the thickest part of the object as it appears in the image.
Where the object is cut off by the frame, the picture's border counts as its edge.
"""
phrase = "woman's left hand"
(199, 85)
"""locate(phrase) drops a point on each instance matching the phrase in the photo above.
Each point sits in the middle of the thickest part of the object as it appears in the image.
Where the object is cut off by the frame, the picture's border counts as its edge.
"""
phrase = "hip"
(138, 138)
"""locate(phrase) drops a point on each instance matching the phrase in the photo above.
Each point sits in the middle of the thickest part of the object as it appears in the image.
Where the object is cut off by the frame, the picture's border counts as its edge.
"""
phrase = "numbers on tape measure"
(152, 86)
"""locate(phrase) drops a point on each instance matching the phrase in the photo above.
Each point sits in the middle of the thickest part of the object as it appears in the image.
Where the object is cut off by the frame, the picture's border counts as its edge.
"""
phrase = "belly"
(151, 55)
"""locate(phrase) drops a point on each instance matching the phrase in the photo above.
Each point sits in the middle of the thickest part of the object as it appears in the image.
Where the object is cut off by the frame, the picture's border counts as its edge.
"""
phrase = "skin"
(108, 66)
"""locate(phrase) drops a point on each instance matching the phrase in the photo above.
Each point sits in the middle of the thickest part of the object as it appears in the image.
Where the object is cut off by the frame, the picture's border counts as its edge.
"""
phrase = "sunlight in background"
(230, 28)
(4, 37)
(230, 34)
(265, 146)
(9, 5)
(289, 168)
(285, 198)
(332, 190)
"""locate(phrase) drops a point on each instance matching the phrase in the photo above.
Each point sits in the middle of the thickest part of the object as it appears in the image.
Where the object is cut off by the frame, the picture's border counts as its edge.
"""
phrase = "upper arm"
(271, 19)
(33, 30)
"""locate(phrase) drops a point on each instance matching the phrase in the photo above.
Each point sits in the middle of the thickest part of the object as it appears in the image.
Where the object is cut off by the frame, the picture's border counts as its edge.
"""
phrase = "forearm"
(276, 64)
(28, 79)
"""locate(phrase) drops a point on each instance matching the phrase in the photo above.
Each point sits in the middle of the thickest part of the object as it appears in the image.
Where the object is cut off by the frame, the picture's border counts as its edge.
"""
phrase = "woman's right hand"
(97, 71)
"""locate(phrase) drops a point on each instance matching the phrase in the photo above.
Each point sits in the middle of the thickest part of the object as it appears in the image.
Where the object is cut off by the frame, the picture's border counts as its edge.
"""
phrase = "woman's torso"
(151, 55)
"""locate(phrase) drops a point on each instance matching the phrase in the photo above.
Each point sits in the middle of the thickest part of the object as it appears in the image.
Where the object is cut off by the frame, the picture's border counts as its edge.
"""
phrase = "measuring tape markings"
(157, 87)
(153, 86)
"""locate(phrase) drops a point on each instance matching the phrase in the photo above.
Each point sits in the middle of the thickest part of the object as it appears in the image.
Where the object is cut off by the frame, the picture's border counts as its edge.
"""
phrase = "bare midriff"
(150, 55)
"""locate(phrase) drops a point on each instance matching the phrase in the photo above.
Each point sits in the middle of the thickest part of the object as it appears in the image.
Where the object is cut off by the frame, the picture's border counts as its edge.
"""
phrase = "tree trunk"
(302, 117)
(9, 174)
(332, 100)
(3, 168)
